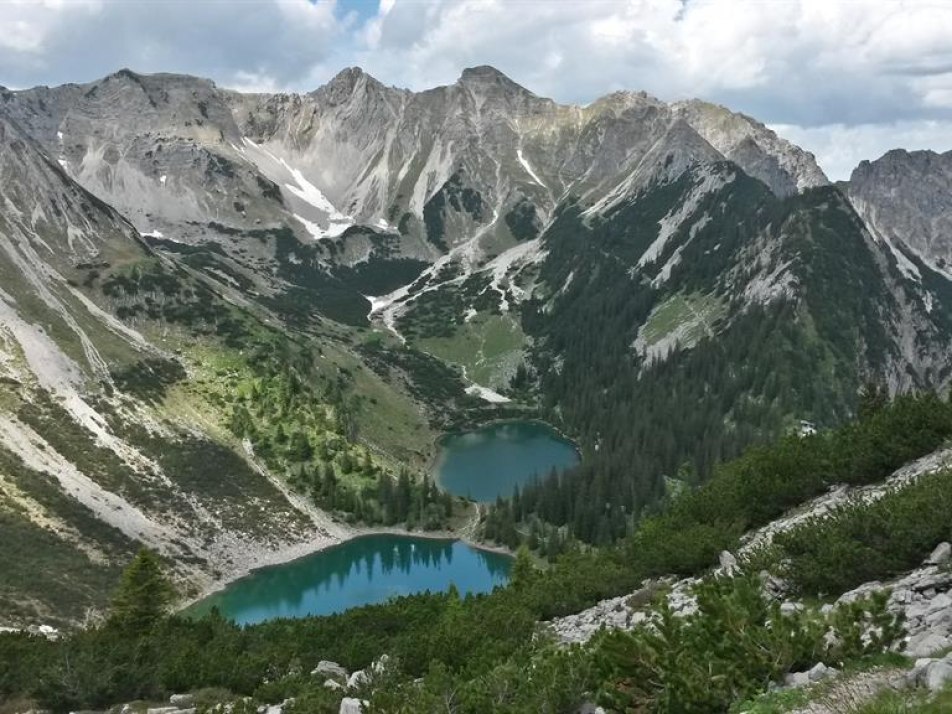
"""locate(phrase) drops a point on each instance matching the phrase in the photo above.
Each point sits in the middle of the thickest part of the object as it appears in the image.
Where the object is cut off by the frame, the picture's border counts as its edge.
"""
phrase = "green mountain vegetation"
(736, 369)
(483, 653)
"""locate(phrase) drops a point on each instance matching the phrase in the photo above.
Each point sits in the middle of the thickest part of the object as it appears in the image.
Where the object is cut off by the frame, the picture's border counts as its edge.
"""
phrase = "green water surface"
(489, 462)
(362, 571)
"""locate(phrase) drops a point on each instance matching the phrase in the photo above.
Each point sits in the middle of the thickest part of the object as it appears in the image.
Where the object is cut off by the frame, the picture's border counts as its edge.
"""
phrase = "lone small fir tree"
(144, 594)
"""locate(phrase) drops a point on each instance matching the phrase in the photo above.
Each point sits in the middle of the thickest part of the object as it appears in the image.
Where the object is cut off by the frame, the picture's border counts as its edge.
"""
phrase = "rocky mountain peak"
(485, 77)
(905, 197)
(345, 84)
(782, 165)
(902, 160)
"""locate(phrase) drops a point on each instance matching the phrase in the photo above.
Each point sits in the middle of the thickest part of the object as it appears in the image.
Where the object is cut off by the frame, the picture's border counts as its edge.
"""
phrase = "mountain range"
(225, 316)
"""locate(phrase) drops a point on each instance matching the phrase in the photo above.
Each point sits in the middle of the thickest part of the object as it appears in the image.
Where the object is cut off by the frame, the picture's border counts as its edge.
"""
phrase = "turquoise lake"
(363, 571)
(489, 462)
(480, 464)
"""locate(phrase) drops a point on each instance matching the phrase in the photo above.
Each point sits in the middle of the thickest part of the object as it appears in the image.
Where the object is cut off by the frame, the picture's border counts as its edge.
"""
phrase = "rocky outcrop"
(924, 598)
(625, 612)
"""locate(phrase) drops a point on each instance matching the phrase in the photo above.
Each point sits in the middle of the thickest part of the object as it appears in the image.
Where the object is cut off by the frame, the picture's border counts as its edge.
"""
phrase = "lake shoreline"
(304, 549)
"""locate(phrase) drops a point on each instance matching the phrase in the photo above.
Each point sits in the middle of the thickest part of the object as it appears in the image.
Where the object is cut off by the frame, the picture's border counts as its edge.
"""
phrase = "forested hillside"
(755, 313)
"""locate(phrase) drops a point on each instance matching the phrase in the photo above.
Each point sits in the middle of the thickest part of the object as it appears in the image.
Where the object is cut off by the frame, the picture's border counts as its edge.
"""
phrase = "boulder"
(937, 674)
(790, 608)
(590, 708)
(916, 675)
(333, 684)
(795, 680)
(330, 669)
(941, 554)
(925, 643)
(773, 586)
(358, 678)
(819, 672)
(349, 705)
(728, 562)
(181, 700)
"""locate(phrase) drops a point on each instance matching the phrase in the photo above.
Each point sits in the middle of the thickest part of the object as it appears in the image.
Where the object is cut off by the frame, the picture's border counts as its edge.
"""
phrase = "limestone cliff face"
(174, 153)
(783, 166)
(905, 197)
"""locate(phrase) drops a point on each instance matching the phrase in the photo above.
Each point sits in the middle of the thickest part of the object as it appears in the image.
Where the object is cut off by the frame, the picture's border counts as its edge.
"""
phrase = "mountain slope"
(124, 374)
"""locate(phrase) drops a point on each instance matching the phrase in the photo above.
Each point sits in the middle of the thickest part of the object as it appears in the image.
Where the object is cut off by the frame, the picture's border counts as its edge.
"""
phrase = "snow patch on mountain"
(332, 231)
(528, 168)
(311, 194)
(486, 394)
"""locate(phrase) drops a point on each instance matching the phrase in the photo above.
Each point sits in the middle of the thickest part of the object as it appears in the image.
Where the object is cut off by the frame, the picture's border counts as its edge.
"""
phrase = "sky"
(845, 79)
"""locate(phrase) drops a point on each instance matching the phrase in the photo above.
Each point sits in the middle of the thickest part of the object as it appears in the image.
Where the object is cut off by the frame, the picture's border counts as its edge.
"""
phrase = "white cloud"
(56, 41)
(839, 148)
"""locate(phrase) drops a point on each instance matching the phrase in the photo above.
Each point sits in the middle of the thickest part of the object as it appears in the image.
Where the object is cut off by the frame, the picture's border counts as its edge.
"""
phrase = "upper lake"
(363, 571)
(491, 461)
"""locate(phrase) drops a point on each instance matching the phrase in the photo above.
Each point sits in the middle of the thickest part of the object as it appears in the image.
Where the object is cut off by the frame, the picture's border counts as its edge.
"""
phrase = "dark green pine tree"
(144, 594)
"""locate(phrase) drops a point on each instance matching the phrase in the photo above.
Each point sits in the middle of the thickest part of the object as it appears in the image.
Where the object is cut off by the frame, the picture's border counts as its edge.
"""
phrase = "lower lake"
(363, 571)
(491, 461)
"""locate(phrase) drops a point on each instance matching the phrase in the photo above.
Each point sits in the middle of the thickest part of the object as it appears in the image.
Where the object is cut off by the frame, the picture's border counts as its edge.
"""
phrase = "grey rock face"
(905, 197)
(175, 153)
(783, 166)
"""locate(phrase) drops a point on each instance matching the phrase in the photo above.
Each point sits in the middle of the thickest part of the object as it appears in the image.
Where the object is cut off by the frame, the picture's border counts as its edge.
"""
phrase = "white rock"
(330, 669)
(916, 674)
(357, 678)
(790, 608)
(819, 672)
(937, 674)
(381, 663)
(940, 602)
(925, 643)
(333, 684)
(728, 562)
(941, 554)
(349, 705)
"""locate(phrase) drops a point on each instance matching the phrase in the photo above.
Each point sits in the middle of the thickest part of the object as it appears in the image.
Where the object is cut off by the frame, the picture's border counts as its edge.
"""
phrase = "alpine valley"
(233, 326)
